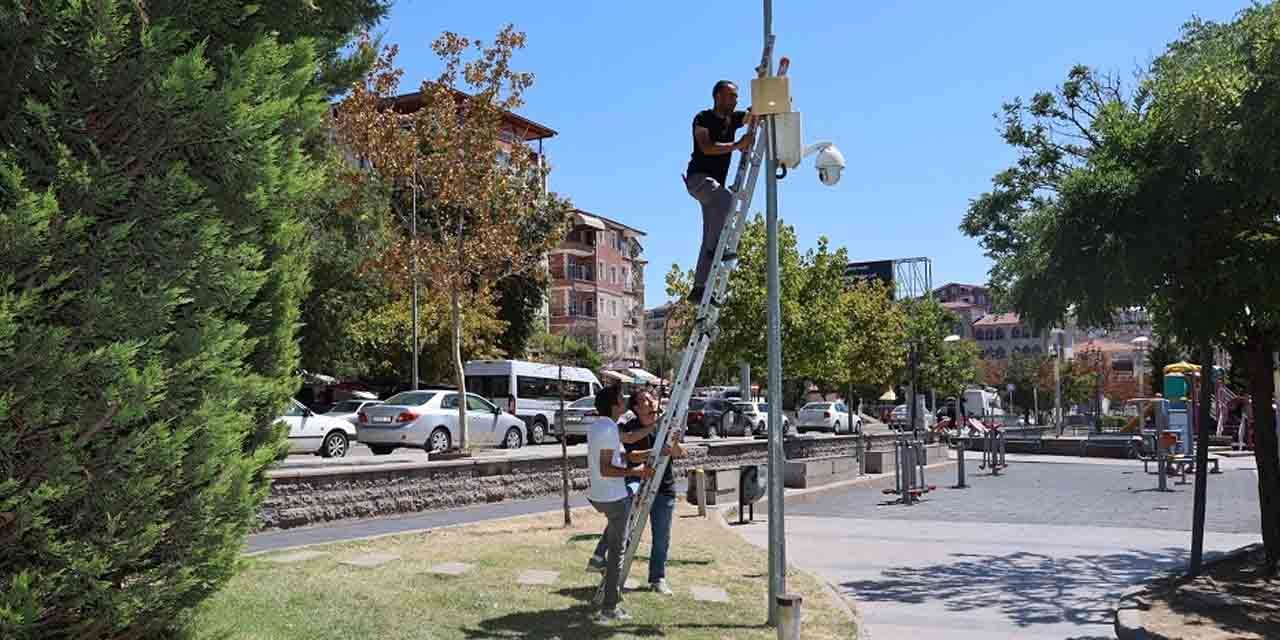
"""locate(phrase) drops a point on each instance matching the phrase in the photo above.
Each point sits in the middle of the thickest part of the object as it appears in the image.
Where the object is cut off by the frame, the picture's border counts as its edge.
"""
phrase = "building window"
(1000, 336)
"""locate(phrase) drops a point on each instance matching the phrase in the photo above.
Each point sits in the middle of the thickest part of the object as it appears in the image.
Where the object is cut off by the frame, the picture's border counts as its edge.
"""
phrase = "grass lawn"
(320, 598)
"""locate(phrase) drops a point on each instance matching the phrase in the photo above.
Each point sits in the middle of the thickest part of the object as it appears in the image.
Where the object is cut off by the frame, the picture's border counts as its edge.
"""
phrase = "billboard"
(877, 270)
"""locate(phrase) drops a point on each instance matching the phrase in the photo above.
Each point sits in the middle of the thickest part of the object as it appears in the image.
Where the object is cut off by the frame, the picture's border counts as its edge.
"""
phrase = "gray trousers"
(615, 535)
(717, 202)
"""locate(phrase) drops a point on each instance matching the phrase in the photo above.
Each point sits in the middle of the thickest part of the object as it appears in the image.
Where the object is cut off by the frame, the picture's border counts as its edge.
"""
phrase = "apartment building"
(1000, 335)
(597, 288)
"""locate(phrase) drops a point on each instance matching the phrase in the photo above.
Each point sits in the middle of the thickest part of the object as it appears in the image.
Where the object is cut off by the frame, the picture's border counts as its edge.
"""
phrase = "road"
(1039, 552)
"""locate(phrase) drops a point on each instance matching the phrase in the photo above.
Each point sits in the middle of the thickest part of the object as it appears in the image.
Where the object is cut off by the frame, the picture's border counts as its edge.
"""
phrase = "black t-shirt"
(668, 485)
(721, 130)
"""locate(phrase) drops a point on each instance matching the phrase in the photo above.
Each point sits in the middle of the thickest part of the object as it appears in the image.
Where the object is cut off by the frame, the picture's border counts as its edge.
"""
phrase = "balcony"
(579, 273)
(630, 321)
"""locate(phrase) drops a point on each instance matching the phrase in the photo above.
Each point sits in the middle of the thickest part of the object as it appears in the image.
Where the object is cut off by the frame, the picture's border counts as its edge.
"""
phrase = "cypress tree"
(155, 174)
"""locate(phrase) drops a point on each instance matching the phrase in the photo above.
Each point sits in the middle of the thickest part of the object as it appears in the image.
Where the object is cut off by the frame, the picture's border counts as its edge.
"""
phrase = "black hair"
(633, 402)
(607, 398)
(715, 91)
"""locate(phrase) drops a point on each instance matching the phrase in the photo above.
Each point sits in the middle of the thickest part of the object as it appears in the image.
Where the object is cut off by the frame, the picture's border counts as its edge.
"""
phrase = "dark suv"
(712, 418)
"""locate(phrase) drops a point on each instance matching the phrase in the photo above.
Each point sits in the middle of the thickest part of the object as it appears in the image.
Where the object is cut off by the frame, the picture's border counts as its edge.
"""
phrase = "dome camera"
(830, 162)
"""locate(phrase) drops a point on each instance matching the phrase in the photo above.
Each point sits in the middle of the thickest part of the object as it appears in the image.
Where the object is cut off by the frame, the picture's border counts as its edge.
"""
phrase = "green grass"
(319, 598)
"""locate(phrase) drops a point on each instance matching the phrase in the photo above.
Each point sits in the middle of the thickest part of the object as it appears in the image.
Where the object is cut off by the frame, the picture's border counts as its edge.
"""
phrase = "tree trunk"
(1202, 459)
(455, 305)
(1261, 394)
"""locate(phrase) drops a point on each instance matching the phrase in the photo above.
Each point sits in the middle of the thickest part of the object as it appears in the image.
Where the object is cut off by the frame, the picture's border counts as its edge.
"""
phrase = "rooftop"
(527, 129)
(993, 319)
(610, 221)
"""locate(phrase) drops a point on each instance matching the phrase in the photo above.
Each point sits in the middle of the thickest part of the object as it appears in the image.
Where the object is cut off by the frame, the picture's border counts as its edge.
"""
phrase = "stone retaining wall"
(311, 496)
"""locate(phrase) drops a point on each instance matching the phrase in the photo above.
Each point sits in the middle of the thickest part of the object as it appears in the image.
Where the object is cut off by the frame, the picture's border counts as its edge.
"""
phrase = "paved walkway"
(1040, 552)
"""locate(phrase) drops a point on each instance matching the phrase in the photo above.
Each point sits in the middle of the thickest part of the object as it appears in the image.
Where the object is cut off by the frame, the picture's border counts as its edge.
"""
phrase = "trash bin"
(752, 486)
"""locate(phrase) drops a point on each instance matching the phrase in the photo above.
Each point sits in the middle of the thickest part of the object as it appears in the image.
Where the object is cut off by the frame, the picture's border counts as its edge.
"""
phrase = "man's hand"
(744, 144)
(644, 472)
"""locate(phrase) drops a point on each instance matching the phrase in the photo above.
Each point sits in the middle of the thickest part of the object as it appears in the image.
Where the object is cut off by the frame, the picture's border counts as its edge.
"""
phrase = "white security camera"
(830, 161)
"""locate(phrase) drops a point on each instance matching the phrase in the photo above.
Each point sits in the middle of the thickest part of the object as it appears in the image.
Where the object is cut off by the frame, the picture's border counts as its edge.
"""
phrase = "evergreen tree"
(154, 175)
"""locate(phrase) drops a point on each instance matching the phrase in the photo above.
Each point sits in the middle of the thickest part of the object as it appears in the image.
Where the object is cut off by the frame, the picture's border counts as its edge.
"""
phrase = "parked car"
(310, 432)
(712, 418)
(348, 409)
(755, 415)
(578, 416)
(828, 416)
(428, 420)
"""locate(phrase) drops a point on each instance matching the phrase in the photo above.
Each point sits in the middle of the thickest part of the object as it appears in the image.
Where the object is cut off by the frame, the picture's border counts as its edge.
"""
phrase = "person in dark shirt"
(713, 147)
(645, 407)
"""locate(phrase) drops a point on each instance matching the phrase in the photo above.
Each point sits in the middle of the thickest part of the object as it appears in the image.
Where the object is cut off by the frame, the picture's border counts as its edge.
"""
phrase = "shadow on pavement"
(1027, 588)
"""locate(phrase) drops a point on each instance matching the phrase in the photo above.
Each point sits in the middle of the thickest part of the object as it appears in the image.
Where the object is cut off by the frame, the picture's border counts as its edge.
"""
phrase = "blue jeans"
(660, 517)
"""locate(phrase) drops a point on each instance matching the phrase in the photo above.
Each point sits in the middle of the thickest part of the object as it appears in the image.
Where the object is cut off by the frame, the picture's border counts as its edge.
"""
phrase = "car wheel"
(379, 450)
(335, 445)
(835, 430)
(538, 431)
(439, 440)
(512, 439)
(711, 432)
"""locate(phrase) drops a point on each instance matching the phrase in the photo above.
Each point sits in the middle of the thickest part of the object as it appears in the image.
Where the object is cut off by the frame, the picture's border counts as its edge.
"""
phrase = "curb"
(1130, 605)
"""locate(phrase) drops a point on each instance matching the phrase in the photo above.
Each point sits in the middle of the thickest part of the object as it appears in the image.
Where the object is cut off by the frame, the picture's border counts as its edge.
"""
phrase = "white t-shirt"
(604, 435)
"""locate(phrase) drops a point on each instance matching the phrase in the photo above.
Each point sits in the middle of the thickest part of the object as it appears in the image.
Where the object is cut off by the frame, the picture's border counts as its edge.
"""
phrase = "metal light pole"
(1057, 378)
(961, 425)
(413, 230)
(777, 532)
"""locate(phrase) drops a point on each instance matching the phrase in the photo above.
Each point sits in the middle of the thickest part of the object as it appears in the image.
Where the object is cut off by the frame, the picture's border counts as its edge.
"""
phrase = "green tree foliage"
(945, 367)
(565, 349)
(1162, 197)
(875, 337)
(520, 299)
(154, 176)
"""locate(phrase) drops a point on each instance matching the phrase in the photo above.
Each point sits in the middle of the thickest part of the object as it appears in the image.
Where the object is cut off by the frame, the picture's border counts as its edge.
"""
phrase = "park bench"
(1033, 438)
(1129, 443)
(1187, 462)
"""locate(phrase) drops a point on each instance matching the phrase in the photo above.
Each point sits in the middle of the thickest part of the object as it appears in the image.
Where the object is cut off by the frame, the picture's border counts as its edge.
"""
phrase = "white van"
(530, 390)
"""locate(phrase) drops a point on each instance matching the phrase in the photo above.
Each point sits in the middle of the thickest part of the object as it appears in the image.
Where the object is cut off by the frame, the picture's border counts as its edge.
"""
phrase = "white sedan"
(828, 416)
(428, 420)
(310, 432)
(349, 409)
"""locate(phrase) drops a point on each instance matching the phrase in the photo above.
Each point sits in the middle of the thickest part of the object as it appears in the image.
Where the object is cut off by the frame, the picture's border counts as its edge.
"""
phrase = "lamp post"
(962, 443)
(1057, 378)
(1140, 348)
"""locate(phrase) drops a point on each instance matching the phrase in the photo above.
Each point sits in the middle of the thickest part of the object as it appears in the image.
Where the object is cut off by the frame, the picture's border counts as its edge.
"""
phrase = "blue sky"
(907, 90)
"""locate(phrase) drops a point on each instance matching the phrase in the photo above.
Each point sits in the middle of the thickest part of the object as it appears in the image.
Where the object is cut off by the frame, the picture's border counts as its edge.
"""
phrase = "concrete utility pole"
(777, 532)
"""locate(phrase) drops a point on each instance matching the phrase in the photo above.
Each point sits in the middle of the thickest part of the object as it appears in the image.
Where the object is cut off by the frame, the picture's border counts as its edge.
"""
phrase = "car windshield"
(412, 398)
(745, 407)
(588, 402)
(347, 406)
(818, 406)
(696, 403)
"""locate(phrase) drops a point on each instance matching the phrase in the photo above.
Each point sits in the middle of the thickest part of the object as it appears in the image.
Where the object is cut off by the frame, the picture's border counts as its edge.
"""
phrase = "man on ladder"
(713, 147)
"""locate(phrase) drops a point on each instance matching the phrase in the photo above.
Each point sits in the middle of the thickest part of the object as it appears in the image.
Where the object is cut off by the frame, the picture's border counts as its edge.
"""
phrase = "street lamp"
(1057, 377)
(1140, 347)
(959, 423)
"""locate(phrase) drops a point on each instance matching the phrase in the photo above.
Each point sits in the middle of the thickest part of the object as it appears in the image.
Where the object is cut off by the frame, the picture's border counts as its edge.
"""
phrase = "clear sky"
(907, 91)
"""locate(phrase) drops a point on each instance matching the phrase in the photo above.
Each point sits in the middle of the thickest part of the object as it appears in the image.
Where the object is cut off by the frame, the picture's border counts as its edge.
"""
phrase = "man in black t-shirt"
(645, 407)
(713, 147)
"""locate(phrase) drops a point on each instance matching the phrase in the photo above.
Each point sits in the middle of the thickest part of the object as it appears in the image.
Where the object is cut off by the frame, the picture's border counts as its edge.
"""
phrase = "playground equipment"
(909, 479)
(993, 450)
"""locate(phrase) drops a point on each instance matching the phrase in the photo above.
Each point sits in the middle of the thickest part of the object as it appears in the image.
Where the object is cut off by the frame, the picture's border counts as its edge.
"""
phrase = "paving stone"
(450, 568)
(709, 594)
(631, 584)
(370, 560)
(537, 577)
(297, 556)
